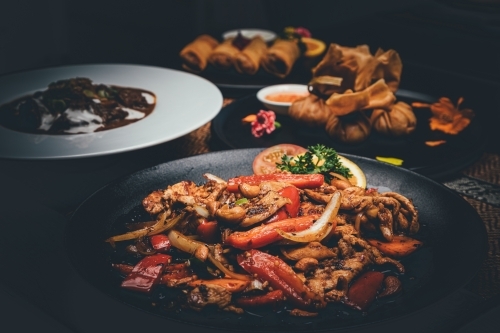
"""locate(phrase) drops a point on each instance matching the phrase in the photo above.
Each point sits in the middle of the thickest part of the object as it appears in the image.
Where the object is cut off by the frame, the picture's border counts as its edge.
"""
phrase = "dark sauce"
(77, 106)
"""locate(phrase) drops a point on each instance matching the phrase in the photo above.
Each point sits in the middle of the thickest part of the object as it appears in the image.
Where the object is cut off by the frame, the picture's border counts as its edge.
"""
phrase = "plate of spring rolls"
(250, 61)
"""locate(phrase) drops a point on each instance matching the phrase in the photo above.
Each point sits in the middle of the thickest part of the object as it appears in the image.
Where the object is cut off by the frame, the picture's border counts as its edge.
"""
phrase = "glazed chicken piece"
(392, 210)
(335, 277)
(332, 278)
(153, 203)
(185, 192)
(259, 208)
(314, 250)
(209, 294)
(309, 208)
(262, 209)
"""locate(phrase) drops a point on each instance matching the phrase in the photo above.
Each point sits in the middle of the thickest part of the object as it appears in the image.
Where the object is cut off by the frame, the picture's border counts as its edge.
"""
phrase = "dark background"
(448, 47)
(457, 35)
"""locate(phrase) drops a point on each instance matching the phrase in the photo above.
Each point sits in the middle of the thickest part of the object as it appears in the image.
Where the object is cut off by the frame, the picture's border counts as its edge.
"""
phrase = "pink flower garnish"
(264, 123)
(303, 32)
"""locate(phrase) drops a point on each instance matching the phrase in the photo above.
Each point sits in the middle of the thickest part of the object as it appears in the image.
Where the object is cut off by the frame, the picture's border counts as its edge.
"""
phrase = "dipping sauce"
(286, 97)
(77, 106)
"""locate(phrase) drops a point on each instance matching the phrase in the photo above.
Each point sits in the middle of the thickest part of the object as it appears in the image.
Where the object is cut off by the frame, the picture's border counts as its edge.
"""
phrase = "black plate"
(455, 243)
(435, 162)
(232, 80)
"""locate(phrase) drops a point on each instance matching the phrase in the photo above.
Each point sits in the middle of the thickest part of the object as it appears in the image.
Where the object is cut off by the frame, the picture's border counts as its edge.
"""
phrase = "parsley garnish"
(318, 159)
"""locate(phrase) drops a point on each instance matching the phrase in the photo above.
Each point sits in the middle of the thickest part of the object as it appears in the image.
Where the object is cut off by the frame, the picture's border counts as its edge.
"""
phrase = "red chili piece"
(207, 230)
(271, 298)
(299, 180)
(266, 234)
(279, 275)
(363, 291)
(146, 273)
(160, 242)
(289, 210)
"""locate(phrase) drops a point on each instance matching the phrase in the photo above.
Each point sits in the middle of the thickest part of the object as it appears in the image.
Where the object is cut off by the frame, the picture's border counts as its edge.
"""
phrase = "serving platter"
(231, 79)
(433, 272)
(435, 162)
(176, 113)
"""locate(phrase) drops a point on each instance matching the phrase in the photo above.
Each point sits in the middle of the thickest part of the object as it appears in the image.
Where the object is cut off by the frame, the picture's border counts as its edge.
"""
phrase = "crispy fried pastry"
(195, 54)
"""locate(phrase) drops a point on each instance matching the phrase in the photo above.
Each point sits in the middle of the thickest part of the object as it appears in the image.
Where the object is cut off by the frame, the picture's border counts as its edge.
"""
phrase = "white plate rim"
(285, 87)
(185, 102)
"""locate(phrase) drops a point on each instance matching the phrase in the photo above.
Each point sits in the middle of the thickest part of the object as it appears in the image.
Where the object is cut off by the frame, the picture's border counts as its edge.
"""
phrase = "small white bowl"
(280, 107)
(267, 36)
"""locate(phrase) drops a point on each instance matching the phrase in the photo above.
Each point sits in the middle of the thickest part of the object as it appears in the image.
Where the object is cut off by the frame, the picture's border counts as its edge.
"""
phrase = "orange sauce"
(285, 97)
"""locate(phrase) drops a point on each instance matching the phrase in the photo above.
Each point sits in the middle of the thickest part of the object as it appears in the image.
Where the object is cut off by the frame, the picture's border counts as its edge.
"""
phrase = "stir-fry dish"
(77, 105)
(279, 240)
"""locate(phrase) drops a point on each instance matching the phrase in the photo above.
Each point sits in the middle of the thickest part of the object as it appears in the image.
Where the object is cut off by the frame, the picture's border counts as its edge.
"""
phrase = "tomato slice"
(265, 161)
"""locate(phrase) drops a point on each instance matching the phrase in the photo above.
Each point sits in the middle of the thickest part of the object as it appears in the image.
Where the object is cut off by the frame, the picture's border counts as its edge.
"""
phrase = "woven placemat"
(487, 282)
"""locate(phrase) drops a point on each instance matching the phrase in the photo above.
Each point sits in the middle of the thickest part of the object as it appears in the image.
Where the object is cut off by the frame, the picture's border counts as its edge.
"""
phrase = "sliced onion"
(190, 246)
(162, 224)
(255, 285)
(202, 211)
(357, 222)
(183, 243)
(228, 272)
(321, 228)
(216, 179)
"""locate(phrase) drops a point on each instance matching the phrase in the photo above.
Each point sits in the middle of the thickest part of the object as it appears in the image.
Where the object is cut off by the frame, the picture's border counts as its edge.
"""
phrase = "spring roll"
(280, 57)
(195, 54)
(249, 59)
(224, 55)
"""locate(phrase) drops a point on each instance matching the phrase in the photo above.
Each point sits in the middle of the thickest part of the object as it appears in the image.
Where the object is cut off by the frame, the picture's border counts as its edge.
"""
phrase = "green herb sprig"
(326, 161)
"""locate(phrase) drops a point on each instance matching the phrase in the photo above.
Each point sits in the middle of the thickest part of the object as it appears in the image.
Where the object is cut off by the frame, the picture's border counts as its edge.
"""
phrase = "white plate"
(185, 102)
(267, 35)
(280, 107)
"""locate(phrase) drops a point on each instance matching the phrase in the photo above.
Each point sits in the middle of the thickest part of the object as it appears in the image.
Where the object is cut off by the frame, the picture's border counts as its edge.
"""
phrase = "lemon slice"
(315, 47)
(358, 177)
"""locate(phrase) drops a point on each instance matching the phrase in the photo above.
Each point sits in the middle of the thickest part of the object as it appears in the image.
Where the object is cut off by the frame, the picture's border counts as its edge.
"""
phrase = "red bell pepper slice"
(299, 180)
(146, 273)
(363, 291)
(176, 272)
(160, 242)
(208, 231)
(266, 234)
(280, 276)
(289, 210)
(271, 298)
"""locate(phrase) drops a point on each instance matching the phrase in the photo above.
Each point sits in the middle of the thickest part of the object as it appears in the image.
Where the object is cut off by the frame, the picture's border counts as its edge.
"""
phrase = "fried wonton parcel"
(195, 55)
(224, 55)
(355, 65)
(389, 68)
(447, 117)
(310, 110)
(281, 57)
(400, 120)
(353, 128)
(248, 60)
(319, 84)
(376, 96)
